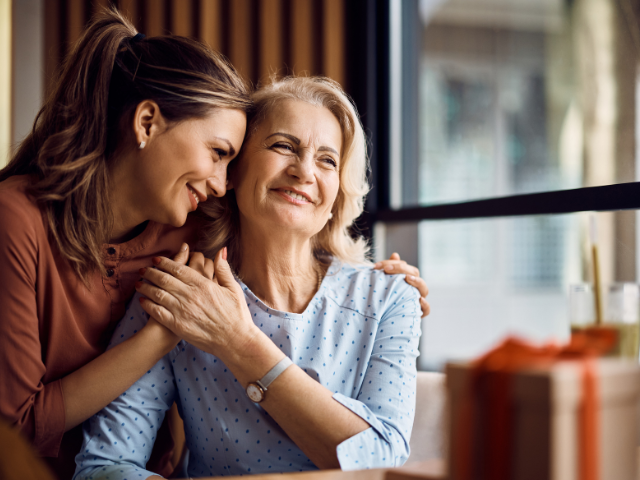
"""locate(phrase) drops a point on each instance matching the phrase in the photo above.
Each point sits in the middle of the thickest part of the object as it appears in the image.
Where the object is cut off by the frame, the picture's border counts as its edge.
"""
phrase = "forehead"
(305, 121)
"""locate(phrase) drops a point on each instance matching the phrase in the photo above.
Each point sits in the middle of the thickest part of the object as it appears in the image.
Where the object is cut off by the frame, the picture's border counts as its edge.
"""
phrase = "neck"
(281, 271)
(127, 221)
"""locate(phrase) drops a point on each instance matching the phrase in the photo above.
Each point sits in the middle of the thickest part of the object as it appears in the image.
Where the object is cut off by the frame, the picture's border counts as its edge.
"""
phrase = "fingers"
(174, 269)
(394, 256)
(202, 265)
(396, 267)
(160, 314)
(183, 255)
(156, 295)
(419, 283)
(165, 281)
(426, 308)
(224, 276)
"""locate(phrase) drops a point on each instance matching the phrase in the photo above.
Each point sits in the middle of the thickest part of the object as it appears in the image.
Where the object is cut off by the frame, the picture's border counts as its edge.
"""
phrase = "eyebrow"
(232, 151)
(296, 140)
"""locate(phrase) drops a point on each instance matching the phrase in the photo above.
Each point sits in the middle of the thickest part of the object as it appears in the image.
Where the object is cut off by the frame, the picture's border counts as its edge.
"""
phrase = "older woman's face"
(288, 172)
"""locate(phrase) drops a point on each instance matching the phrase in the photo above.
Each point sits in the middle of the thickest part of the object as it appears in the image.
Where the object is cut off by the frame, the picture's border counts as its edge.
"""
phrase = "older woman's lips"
(293, 197)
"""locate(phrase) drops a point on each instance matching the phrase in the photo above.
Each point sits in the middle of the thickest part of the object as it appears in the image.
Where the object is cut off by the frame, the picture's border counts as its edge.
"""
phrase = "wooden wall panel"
(75, 21)
(52, 44)
(270, 41)
(241, 37)
(302, 29)
(130, 9)
(182, 18)
(209, 16)
(260, 37)
(333, 40)
(154, 21)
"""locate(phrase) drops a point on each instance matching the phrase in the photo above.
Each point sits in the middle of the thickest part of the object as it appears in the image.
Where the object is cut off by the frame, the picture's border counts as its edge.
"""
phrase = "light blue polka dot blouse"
(358, 337)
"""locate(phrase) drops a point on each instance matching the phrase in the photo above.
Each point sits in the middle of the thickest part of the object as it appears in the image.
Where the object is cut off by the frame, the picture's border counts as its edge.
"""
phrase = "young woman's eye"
(221, 153)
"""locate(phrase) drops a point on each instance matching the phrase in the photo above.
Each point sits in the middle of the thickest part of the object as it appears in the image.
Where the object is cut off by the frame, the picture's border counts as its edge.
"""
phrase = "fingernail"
(141, 299)
(390, 267)
(138, 285)
(224, 253)
(142, 271)
(184, 247)
(411, 277)
(376, 265)
(156, 260)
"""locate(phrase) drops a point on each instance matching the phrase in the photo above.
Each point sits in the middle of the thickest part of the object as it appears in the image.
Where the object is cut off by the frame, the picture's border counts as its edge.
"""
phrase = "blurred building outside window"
(514, 97)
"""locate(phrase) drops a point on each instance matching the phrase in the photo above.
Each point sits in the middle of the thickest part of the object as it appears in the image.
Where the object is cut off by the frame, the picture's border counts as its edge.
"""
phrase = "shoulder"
(18, 209)
(368, 291)
(14, 194)
(21, 221)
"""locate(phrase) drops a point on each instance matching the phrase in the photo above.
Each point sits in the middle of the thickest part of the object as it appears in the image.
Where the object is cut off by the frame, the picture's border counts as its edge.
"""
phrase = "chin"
(175, 219)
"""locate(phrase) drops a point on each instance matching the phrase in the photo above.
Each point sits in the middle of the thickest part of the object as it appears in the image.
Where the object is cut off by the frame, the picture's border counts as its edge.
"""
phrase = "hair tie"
(137, 37)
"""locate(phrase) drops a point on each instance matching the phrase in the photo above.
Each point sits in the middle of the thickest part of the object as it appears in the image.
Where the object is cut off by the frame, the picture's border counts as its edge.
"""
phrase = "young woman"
(308, 359)
(135, 134)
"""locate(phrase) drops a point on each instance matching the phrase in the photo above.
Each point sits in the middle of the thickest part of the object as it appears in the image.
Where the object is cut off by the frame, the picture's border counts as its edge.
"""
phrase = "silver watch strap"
(280, 367)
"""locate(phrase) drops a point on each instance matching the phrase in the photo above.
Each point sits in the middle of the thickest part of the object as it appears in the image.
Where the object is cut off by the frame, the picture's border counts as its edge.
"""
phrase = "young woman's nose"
(217, 186)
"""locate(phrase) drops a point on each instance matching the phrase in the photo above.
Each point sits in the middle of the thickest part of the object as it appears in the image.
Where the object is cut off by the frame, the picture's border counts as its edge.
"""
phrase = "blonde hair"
(86, 121)
(335, 239)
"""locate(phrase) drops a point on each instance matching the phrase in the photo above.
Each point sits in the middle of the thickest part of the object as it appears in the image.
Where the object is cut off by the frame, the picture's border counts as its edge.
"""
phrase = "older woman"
(305, 360)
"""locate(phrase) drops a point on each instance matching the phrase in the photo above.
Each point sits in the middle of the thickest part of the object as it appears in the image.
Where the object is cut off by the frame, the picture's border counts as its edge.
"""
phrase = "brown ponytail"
(83, 122)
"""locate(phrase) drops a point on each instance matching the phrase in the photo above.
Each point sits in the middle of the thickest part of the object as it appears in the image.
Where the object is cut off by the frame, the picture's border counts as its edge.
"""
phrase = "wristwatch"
(257, 390)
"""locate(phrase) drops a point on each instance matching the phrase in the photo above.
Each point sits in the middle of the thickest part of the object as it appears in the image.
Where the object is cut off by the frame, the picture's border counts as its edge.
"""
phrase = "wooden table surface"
(428, 470)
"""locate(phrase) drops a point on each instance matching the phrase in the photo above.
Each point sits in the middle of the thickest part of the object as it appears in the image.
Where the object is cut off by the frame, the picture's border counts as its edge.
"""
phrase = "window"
(496, 125)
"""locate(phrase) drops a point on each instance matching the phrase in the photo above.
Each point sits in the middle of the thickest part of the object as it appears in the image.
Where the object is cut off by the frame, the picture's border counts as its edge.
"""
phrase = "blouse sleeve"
(386, 400)
(35, 408)
(117, 441)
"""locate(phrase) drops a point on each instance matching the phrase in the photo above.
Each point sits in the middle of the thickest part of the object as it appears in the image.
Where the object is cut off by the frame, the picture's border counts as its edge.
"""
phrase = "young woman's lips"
(194, 203)
(290, 199)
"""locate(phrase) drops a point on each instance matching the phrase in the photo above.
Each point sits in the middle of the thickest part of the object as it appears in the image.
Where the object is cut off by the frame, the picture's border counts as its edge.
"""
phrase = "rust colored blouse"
(51, 324)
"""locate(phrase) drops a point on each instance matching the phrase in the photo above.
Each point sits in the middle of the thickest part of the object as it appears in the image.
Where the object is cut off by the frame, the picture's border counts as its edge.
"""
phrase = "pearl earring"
(330, 215)
(142, 145)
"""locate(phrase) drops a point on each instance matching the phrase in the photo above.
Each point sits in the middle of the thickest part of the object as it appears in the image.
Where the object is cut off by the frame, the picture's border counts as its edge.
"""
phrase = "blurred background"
(479, 113)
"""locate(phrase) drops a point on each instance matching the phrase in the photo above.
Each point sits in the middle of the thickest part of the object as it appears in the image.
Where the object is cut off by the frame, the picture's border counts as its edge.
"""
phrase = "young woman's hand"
(396, 266)
(211, 314)
(171, 340)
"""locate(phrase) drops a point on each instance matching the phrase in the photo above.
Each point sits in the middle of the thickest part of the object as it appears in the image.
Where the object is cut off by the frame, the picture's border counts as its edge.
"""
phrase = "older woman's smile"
(294, 196)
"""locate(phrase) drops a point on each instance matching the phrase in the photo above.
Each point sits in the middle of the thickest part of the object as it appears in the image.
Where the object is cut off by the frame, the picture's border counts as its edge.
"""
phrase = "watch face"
(255, 393)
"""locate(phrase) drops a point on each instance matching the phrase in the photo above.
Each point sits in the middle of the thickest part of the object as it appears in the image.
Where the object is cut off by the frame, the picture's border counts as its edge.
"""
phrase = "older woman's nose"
(302, 169)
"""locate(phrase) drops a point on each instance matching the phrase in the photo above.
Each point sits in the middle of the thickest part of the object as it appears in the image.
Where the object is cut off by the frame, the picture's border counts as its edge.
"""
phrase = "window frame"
(369, 84)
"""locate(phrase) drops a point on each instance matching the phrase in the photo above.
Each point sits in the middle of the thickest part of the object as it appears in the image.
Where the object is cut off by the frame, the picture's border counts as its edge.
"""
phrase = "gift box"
(555, 418)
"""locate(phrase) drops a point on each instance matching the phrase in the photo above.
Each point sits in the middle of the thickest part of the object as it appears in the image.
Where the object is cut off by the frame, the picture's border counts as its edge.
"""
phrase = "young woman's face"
(288, 174)
(184, 164)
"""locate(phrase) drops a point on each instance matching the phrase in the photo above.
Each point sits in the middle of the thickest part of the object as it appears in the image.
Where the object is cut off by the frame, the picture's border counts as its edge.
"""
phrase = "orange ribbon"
(491, 378)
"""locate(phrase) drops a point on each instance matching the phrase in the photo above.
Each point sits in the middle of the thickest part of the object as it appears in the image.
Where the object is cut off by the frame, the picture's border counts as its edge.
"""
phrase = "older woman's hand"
(209, 314)
(397, 266)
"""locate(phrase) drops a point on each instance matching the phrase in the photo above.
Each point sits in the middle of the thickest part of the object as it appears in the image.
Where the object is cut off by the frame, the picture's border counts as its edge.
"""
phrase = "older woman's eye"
(330, 161)
(283, 146)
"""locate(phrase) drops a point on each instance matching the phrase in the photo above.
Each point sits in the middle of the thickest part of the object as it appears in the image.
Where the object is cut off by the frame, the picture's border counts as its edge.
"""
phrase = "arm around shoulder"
(35, 408)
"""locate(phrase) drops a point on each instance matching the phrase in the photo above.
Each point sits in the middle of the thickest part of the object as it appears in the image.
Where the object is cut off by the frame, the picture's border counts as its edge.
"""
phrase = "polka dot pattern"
(358, 337)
